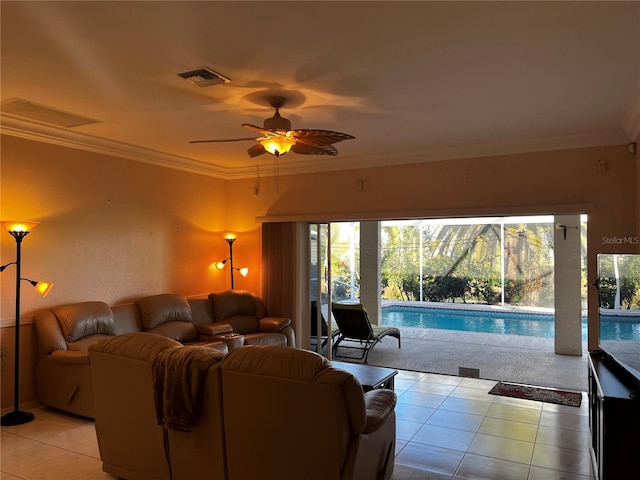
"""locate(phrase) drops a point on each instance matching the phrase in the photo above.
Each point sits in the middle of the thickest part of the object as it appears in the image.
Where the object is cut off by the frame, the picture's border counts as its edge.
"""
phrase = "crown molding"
(596, 139)
(290, 165)
(42, 132)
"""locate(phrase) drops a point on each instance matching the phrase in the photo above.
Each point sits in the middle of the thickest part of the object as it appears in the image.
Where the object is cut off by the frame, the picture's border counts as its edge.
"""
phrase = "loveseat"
(64, 334)
(265, 412)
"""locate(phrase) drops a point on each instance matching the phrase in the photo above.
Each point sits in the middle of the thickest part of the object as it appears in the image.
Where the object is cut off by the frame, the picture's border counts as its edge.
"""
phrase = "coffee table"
(370, 377)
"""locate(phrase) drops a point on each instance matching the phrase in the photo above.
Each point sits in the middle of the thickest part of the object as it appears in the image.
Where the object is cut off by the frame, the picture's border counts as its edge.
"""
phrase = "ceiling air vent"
(203, 77)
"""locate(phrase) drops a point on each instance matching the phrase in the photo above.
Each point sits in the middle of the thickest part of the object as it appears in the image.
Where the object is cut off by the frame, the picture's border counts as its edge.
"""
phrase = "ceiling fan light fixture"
(278, 146)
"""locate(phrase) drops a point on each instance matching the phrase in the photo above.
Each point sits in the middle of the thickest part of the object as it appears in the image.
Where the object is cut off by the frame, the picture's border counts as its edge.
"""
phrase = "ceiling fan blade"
(303, 149)
(256, 150)
(224, 140)
(262, 131)
(319, 137)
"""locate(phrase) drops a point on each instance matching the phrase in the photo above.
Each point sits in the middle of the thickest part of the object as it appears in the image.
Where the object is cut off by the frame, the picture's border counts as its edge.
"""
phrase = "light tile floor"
(448, 427)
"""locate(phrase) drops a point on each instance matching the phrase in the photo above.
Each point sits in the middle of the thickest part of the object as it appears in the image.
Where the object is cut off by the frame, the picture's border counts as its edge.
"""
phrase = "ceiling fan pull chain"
(275, 170)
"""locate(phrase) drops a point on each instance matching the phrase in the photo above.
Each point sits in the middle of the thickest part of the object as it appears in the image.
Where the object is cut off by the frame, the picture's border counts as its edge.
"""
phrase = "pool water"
(509, 323)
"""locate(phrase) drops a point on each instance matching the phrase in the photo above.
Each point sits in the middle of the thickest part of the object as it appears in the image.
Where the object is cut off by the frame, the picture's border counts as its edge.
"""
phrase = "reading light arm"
(42, 287)
(220, 265)
(2, 268)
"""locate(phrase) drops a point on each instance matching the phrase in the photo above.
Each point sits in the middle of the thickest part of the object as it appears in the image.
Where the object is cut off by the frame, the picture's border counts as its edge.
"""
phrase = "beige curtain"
(285, 274)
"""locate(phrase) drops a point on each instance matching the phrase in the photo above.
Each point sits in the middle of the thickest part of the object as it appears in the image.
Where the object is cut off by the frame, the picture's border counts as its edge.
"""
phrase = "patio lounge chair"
(314, 327)
(354, 326)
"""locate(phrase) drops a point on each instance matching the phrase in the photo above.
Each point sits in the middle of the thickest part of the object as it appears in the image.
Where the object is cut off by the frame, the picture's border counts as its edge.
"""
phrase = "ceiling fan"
(277, 138)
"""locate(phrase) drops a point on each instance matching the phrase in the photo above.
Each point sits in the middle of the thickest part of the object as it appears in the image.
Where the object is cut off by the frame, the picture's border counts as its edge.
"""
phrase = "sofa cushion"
(243, 324)
(273, 361)
(183, 332)
(138, 345)
(265, 339)
(84, 343)
(79, 320)
(158, 309)
(300, 365)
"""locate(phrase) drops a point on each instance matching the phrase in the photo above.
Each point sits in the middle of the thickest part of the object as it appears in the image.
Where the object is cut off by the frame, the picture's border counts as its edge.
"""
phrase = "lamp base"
(17, 417)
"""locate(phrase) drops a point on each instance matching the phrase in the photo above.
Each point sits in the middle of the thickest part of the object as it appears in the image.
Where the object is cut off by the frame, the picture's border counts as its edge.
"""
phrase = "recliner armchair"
(133, 445)
(63, 374)
(247, 315)
(279, 399)
(170, 315)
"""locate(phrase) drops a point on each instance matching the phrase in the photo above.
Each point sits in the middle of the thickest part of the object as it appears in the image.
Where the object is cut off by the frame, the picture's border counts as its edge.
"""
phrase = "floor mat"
(539, 394)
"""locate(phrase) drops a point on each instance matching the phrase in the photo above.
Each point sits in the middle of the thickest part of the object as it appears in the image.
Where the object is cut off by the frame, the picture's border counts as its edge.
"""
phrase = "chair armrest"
(273, 324)
(211, 329)
(71, 357)
(379, 404)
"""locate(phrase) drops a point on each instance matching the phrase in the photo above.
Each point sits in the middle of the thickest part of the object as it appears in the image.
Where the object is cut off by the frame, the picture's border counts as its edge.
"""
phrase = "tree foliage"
(471, 263)
(465, 263)
(627, 280)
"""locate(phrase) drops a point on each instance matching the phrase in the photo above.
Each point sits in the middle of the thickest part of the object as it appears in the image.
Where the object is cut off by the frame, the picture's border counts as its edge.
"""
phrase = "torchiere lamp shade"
(18, 226)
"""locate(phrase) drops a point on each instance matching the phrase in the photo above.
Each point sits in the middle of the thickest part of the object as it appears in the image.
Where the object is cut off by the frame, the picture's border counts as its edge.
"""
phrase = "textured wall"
(113, 229)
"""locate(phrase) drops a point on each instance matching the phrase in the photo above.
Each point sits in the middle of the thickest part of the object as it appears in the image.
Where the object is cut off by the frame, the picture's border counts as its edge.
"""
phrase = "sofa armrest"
(273, 324)
(49, 335)
(71, 357)
(211, 329)
(379, 404)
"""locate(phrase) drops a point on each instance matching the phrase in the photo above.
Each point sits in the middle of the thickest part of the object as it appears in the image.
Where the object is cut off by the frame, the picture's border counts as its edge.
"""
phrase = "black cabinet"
(614, 418)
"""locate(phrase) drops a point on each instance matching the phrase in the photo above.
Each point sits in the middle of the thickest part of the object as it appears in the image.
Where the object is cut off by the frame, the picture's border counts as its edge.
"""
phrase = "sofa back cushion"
(327, 401)
(80, 320)
(201, 310)
(167, 307)
(237, 308)
(127, 318)
(169, 315)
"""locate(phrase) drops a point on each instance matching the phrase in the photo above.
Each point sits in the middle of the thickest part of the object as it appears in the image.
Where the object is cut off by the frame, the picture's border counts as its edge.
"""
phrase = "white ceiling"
(412, 81)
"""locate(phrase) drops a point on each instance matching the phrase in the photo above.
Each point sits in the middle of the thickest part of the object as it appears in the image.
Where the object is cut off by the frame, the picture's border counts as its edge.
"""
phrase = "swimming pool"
(531, 324)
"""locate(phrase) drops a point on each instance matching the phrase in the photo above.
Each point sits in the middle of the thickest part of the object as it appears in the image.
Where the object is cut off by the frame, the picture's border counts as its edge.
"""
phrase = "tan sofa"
(267, 412)
(64, 334)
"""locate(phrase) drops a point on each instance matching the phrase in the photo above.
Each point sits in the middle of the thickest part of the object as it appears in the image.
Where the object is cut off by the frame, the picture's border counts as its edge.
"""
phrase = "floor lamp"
(19, 230)
(230, 238)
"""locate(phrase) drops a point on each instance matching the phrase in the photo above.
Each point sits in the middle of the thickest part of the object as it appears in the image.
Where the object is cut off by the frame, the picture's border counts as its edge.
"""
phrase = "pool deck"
(511, 358)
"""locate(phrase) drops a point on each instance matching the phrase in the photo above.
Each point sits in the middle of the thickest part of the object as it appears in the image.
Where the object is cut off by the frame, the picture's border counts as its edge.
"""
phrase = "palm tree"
(431, 260)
